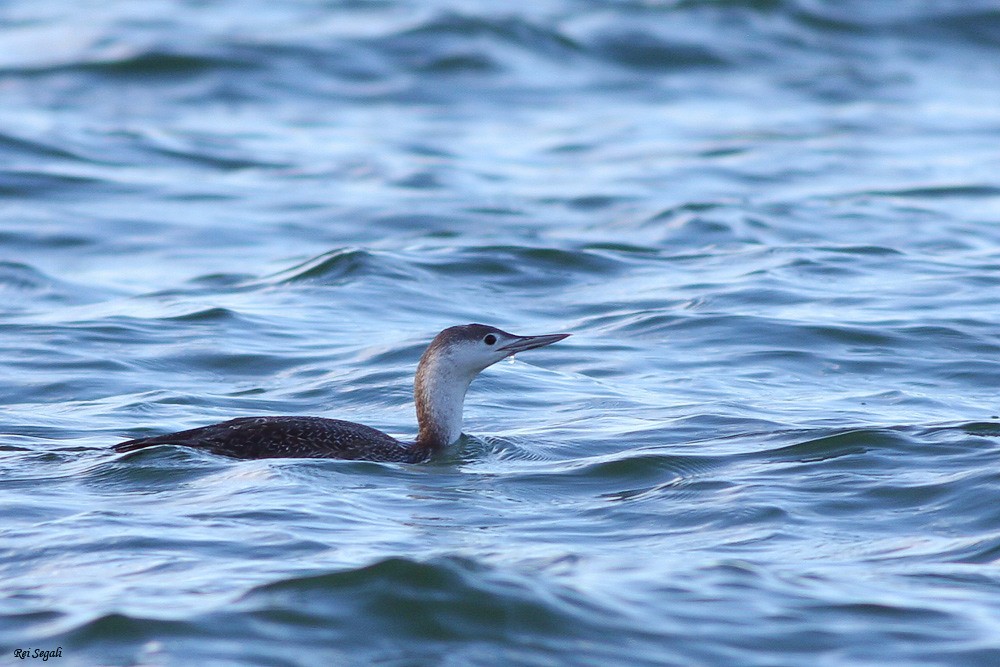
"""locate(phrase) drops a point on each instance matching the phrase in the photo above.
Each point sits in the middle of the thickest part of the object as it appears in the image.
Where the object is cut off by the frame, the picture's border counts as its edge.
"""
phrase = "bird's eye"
(490, 339)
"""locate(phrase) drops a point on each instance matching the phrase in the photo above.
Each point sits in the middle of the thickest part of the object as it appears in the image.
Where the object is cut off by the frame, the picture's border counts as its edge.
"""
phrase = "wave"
(387, 57)
(423, 610)
(25, 288)
(342, 266)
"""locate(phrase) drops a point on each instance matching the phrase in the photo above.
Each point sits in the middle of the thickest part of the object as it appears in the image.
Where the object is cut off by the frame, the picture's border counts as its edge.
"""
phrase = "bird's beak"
(522, 343)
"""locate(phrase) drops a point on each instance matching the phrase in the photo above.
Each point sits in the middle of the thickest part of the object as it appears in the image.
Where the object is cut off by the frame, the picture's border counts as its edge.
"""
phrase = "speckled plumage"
(288, 437)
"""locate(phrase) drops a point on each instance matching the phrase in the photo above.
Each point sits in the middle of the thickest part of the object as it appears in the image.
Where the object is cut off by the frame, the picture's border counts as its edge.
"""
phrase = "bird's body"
(448, 366)
(288, 437)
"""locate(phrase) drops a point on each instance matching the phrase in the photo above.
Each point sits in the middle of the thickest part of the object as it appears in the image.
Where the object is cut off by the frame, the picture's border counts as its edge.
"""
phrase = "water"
(771, 227)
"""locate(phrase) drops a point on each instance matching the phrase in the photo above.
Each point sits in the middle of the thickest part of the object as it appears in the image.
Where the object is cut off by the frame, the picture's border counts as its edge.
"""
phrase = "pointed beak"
(522, 343)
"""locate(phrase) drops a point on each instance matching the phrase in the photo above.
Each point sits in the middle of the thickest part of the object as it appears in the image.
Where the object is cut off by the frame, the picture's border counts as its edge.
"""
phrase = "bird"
(449, 364)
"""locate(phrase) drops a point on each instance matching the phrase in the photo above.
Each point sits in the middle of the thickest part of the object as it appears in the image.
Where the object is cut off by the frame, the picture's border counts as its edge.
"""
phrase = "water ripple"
(769, 225)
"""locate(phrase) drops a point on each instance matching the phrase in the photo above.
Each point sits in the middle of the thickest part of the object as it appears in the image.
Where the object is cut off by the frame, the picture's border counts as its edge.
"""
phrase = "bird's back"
(286, 437)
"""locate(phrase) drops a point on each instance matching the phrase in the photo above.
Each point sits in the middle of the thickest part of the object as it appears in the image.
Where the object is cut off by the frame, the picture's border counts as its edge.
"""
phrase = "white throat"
(439, 395)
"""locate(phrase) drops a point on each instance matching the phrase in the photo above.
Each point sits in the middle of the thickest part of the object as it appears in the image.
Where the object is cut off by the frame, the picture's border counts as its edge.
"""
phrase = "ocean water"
(772, 227)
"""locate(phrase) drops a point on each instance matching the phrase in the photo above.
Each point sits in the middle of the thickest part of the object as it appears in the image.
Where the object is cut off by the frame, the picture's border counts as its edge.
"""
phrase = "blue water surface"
(770, 225)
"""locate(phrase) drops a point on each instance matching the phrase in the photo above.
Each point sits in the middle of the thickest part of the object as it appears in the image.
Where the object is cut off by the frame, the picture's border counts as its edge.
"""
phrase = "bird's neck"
(439, 394)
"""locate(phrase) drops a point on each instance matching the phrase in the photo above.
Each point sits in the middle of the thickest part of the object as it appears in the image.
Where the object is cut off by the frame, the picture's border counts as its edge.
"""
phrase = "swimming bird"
(447, 367)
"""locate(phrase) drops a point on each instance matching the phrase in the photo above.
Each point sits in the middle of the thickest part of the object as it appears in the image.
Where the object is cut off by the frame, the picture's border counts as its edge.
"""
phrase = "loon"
(447, 367)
